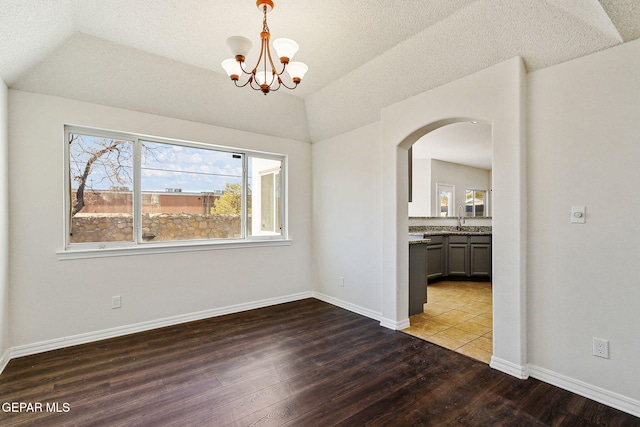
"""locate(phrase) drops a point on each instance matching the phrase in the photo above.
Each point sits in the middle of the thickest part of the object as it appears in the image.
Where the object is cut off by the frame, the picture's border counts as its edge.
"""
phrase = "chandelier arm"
(243, 85)
(252, 86)
(279, 85)
(290, 88)
(273, 67)
(284, 67)
(243, 70)
(255, 68)
(265, 47)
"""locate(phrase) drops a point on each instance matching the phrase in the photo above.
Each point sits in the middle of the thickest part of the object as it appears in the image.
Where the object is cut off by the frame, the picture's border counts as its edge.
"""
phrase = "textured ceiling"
(464, 143)
(335, 36)
(362, 55)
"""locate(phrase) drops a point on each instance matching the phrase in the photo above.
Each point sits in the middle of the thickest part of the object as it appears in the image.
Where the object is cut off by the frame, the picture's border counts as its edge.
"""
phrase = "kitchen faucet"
(460, 218)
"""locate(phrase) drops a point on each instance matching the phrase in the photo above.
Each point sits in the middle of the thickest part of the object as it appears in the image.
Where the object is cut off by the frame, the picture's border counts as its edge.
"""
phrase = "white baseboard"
(510, 368)
(392, 324)
(4, 360)
(387, 323)
(57, 343)
(606, 397)
(347, 306)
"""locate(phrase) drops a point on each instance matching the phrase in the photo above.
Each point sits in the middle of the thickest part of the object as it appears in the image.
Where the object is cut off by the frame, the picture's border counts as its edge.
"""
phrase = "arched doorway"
(496, 96)
(458, 310)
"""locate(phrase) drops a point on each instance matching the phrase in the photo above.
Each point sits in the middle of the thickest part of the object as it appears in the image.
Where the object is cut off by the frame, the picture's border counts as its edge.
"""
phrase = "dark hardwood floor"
(305, 363)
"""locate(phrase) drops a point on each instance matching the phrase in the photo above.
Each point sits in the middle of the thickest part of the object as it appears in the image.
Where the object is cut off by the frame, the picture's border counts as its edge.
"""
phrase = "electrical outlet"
(116, 301)
(601, 348)
(342, 282)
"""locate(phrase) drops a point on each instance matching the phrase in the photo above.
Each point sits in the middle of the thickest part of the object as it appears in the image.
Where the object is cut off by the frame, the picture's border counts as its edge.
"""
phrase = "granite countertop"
(420, 234)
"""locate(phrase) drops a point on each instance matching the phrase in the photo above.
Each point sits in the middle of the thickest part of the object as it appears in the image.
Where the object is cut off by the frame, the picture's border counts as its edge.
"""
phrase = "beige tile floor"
(457, 316)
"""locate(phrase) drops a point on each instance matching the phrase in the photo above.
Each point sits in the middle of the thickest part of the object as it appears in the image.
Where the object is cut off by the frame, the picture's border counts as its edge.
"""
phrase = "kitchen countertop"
(422, 236)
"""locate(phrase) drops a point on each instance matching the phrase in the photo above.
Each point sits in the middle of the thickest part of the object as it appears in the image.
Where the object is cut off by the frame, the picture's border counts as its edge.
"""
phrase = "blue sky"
(162, 166)
(190, 169)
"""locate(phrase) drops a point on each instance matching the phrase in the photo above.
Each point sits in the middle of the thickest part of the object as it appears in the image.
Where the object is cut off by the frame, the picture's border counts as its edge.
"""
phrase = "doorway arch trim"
(494, 95)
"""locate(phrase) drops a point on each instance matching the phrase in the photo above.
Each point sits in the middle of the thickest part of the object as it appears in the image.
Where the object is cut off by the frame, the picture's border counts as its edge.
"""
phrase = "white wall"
(4, 223)
(347, 219)
(420, 204)
(462, 177)
(51, 298)
(584, 149)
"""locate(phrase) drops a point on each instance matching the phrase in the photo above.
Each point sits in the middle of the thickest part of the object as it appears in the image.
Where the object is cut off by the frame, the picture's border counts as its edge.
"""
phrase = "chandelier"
(264, 76)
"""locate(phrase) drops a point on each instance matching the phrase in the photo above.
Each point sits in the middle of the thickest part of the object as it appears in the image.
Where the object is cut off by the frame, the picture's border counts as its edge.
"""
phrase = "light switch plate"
(578, 214)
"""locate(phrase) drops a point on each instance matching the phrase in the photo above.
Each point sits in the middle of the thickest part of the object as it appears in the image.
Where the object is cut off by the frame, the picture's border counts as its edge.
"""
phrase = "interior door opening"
(456, 258)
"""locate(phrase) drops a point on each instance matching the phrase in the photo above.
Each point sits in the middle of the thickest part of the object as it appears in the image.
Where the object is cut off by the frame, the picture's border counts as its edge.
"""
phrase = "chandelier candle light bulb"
(258, 76)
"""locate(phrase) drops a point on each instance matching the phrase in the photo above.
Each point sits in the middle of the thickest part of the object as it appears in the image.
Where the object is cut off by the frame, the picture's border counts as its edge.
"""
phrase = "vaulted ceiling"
(163, 56)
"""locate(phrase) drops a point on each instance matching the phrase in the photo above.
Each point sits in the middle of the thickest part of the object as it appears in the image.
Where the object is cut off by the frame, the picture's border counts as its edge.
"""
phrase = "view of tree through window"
(176, 192)
(101, 177)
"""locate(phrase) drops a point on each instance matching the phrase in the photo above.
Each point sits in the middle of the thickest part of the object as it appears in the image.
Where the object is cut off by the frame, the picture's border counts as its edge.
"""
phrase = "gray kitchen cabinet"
(436, 257)
(480, 256)
(446, 256)
(417, 278)
(458, 256)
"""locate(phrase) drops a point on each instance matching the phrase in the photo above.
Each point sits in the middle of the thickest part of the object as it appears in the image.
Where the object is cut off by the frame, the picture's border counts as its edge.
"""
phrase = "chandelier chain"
(265, 27)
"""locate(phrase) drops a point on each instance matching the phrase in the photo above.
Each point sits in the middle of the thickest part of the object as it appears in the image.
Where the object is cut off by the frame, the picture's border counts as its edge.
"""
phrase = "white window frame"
(138, 246)
(473, 209)
(275, 173)
(449, 188)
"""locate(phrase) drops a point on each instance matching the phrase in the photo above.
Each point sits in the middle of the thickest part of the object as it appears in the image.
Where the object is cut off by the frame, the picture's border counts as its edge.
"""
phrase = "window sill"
(165, 248)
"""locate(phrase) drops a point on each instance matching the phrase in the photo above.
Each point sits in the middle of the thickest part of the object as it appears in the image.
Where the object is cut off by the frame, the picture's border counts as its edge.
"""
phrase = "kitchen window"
(127, 191)
(475, 203)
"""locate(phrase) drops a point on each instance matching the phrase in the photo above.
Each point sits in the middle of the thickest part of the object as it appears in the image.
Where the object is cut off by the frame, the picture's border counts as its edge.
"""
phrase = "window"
(101, 202)
(446, 199)
(269, 200)
(475, 203)
(127, 191)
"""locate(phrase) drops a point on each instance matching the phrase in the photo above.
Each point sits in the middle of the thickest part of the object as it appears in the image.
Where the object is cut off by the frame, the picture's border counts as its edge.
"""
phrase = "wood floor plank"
(301, 364)
(317, 391)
